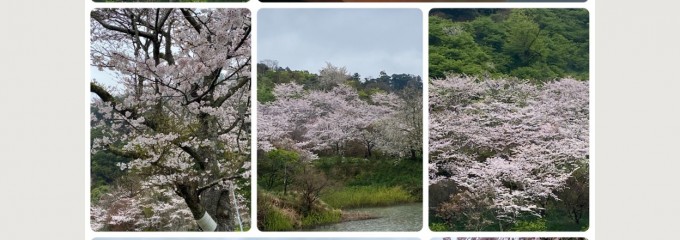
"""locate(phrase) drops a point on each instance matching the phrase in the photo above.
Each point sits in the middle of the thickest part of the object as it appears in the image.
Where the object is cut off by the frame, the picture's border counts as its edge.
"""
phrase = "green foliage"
(104, 169)
(366, 196)
(466, 57)
(438, 227)
(98, 191)
(277, 168)
(264, 92)
(269, 76)
(537, 44)
(281, 155)
(530, 225)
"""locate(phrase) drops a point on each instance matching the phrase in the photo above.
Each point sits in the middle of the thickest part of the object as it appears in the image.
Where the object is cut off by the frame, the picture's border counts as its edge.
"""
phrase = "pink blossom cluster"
(314, 120)
(514, 141)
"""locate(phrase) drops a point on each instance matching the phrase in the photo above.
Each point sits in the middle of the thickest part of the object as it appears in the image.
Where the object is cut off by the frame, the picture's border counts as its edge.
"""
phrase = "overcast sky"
(365, 41)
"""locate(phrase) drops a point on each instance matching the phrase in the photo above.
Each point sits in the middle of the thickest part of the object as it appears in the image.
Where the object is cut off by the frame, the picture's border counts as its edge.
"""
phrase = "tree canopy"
(333, 108)
(509, 147)
(536, 44)
(178, 118)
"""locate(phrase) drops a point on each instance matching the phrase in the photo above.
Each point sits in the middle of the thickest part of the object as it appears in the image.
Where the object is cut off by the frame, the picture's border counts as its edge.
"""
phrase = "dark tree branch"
(231, 127)
(213, 183)
(107, 97)
(194, 155)
(164, 18)
(214, 76)
(126, 154)
(243, 40)
(101, 92)
(100, 19)
(187, 15)
(219, 101)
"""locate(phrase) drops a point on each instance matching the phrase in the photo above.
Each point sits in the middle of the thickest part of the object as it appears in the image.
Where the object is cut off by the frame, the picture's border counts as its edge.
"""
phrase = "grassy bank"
(277, 212)
(367, 196)
(359, 173)
(328, 185)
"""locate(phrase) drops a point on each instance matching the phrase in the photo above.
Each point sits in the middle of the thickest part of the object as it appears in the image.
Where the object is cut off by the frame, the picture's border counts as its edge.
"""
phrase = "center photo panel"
(339, 120)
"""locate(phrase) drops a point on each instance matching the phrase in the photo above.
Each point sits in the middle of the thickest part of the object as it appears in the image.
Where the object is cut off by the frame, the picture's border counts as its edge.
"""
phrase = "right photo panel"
(509, 119)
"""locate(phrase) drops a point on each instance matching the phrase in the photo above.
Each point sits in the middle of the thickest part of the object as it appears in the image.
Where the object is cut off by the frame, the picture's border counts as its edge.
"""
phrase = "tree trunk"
(337, 148)
(212, 211)
(369, 149)
(190, 195)
(576, 216)
(218, 203)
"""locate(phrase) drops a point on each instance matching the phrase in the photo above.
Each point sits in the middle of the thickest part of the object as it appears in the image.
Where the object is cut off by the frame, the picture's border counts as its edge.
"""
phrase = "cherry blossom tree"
(318, 120)
(119, 210)
(180, 109)
(342, 117)
(402, 127)
(331, 76)
(281, 123)
(507, 141)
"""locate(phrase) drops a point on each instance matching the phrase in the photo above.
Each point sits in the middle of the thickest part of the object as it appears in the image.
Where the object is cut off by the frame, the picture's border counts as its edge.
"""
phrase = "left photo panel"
(170, 119)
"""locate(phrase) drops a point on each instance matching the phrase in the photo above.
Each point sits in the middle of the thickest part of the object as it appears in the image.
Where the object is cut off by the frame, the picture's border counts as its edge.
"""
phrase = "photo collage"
(340, 120)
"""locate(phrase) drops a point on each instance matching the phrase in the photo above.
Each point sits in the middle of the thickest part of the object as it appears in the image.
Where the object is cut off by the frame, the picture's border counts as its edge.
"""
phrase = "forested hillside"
(269, 74)
(538, 44)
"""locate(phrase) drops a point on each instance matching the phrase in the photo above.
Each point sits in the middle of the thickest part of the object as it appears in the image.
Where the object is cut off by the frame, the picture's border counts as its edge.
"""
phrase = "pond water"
(407, 217)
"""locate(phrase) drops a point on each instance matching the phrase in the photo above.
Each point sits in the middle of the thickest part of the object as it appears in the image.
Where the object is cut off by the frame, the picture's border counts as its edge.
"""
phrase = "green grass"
(390, 173)
(276, 220)
(272, 214)
(321, 218)
(355, 172)
(367, 196)
(278, 212)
